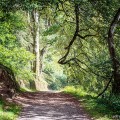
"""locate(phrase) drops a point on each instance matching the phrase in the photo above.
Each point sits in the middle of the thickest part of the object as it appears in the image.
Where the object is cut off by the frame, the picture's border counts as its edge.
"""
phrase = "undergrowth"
(9, 112)
(107, 108)
(27, 90)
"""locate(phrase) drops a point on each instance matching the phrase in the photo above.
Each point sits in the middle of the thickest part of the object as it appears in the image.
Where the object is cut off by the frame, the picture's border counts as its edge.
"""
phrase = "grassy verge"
(99, 109)
(9, 112)
(27, 90)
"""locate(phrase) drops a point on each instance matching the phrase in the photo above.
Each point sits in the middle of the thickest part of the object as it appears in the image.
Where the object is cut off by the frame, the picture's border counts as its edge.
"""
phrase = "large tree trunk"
(115, 62)
(35, 34)
(37, 65)
(36, 45)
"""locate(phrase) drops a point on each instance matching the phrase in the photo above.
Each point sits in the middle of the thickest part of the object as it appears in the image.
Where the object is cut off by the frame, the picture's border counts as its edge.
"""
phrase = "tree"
(35, 30)
(115, 61)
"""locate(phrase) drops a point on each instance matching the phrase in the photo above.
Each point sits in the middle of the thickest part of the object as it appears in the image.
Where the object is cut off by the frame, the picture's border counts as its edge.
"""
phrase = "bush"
(10, 112)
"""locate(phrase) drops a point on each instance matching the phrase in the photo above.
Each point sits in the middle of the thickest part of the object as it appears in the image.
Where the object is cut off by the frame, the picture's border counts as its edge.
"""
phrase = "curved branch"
(61, 61)
(76, 34)
(110, 41)
(105, 87)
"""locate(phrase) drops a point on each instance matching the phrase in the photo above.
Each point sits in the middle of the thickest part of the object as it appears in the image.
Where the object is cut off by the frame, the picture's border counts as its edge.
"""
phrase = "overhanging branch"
(105, 87)
(76, 34)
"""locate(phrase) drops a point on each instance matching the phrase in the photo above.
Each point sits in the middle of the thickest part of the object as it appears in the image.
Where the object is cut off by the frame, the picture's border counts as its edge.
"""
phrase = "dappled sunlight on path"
(50, 106)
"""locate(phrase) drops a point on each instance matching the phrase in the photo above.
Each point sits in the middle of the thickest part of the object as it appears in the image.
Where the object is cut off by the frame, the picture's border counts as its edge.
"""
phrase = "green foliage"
(55, 79)
(29, 5)
(100, 109)
(113, 103)
(54, 74)
(52, 30)
(94, 68)
(77, 91)
(10, 112)
(11, 53)
(17, 59)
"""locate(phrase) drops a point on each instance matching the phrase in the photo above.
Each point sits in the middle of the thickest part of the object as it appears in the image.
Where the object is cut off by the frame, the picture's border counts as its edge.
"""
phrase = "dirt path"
(50, 106)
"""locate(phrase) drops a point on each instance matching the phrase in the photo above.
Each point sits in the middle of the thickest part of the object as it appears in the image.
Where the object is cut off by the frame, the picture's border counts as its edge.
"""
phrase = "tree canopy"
(82, 36)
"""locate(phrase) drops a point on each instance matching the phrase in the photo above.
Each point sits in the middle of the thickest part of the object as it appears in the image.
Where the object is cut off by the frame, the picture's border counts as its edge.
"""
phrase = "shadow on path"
(50, 106)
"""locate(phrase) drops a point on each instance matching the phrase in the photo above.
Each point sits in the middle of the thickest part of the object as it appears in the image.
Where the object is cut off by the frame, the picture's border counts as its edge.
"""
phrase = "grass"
(99, 109)
(27, 90)
(9, 112)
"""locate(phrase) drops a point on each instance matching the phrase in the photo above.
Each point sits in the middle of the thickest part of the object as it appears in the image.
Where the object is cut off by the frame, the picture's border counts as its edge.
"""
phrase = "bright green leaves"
(52, 30)
(16, 58)
(9, 27)
(30, 5)
(12, 54)
(54, 74)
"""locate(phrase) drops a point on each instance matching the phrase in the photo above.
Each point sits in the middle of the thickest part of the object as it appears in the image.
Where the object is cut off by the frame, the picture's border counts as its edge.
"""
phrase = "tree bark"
(33, 20)
(36, 44)
(115, 62)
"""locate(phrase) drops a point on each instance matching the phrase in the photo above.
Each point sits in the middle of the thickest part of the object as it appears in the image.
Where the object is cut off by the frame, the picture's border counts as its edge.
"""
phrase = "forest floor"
(50, 106)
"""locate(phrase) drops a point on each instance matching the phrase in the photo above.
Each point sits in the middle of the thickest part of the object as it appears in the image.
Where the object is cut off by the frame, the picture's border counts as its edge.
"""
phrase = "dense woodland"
(57, 43)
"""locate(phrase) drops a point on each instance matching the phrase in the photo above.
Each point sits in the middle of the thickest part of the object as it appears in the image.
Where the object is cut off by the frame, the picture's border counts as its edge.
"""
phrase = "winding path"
(50, 106)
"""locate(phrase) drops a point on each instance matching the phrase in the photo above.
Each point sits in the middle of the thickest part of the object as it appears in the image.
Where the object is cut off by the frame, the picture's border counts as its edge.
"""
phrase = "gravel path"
(50, 106)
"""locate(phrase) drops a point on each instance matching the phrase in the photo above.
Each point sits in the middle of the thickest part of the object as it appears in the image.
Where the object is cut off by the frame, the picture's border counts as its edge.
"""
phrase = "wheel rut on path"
(50, 106)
